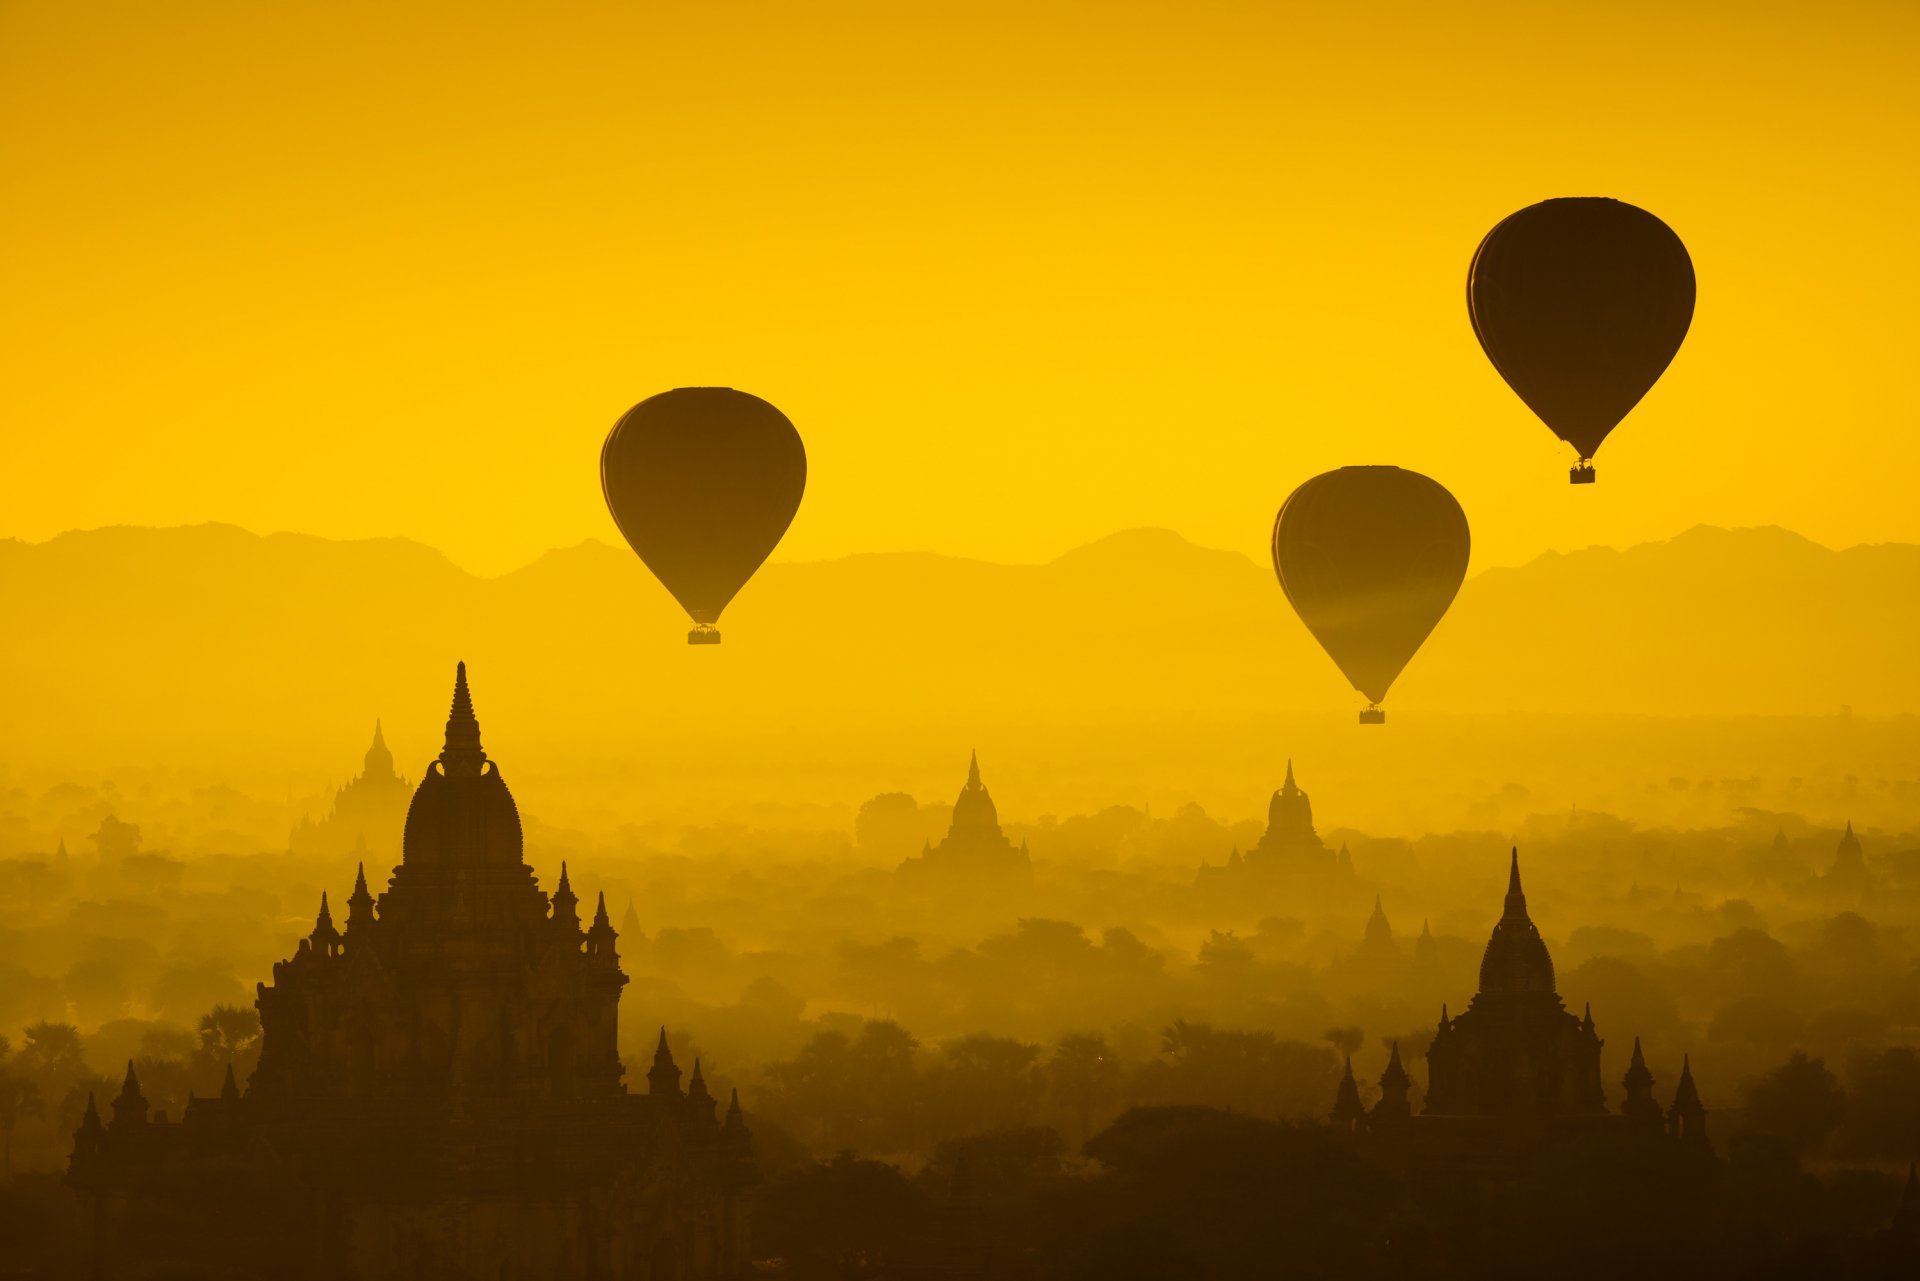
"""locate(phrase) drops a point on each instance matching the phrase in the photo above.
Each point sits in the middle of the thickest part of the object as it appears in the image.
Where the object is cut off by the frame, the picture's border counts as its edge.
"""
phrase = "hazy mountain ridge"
(233, 626)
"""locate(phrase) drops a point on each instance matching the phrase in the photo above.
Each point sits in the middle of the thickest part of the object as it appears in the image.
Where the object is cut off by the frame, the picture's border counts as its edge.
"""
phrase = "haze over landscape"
(1072, 407)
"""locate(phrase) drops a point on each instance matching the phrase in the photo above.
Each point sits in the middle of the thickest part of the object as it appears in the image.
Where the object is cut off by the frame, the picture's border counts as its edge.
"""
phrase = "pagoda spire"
(698, 1095)
(1289, 785)
(360, 902)
(1347, 1113)
(1394, 1087)
(663, 1077)
(566, 904)
(229, 1088)
(325, 938)
(462, 753)
(1516, 904)
(379, 760)
(973, 769)
(131, 1107)
(1687, 1118)
(1639, 1106)
(601, 936)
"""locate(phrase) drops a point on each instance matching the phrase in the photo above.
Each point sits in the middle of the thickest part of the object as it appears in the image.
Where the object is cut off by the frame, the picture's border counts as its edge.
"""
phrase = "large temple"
(367, 813)
(439, 1093)
(975, 851)
(1515, 1064)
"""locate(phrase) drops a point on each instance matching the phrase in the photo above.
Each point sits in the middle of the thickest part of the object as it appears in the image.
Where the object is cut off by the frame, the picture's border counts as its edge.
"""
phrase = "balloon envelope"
(1581, 303)
(703, 481)
(1370, 558)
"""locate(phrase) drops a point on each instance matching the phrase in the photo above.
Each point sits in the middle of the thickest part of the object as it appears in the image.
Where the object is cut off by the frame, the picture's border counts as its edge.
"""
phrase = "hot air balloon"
(703, 481)
(1370, 558)
(1581, 303)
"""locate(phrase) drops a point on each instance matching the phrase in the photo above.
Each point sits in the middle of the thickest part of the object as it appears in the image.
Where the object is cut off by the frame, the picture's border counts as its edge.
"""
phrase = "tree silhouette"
(1083, 1076)
(1798, 1103)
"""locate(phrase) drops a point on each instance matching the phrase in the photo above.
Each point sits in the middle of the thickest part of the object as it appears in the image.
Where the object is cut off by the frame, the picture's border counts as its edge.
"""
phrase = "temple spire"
(566, 904)
(663, 1077)
(698, 1095)
(1395, 1084)
(462, 753)
(1516, 904)
(973, 769)
(1347, 1113)
(379, 760)
(1289, 784)
(360, 902)
(131, 1107)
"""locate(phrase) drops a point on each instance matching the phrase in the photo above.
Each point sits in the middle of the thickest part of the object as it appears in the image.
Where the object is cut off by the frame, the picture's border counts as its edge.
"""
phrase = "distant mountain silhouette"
(168, 636)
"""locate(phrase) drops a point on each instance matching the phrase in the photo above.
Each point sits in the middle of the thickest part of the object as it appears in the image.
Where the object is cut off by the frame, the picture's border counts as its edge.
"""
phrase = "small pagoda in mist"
(367, 814)
(975, 852)
(439, 1092)
(1289, 855)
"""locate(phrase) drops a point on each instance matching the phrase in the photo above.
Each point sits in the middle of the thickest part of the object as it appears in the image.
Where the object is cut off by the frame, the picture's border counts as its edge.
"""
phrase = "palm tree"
(1084, 1075)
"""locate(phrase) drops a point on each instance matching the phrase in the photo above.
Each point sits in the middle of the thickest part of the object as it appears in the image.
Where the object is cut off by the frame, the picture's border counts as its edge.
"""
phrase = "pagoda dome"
(462, 812)
(974, 809)
(1516, 961)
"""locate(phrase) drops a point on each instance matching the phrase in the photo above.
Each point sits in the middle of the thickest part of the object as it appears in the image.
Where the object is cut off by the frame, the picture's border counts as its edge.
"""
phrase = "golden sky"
(1022, 274)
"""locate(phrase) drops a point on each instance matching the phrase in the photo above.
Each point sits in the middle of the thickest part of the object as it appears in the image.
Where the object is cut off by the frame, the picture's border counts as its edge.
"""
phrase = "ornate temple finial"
(229, 1088)
(735, 1118)
(1516, 904)
(90, 1120)
(1347, 1114)
(462, 753)
(360, 902)
(600, 938)
(566, 904)
(697, 1092)
(325, 938)
(379, 761)
(1289, 784)
(663, 1077)
(1586, 1019)
(131, 1107)
(973, 769)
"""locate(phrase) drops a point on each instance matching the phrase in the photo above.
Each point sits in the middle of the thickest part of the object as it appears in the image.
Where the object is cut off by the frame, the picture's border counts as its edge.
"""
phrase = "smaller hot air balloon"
(1370, 558)
(1581, 303)
(703, 481)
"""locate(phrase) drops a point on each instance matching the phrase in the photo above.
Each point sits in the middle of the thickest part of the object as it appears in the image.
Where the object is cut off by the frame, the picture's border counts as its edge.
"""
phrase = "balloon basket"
(1580, 475)
(1373, 716)
(704, 634)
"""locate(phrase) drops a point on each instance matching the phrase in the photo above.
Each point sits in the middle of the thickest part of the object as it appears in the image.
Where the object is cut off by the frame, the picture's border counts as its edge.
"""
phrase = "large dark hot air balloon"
(1370, 558)
(703, 481)
(1581, 304)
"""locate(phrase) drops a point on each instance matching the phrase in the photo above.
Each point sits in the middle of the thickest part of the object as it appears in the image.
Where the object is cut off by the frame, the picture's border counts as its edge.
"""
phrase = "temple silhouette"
(367, 814)
(1289, 854)
(439, 1092)
(1514, 1068)
(975, 853)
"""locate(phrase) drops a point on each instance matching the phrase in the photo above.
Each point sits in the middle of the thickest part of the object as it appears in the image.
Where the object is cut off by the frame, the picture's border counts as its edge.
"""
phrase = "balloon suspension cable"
(704, 634)
(1373, 715)
(1581, 473)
